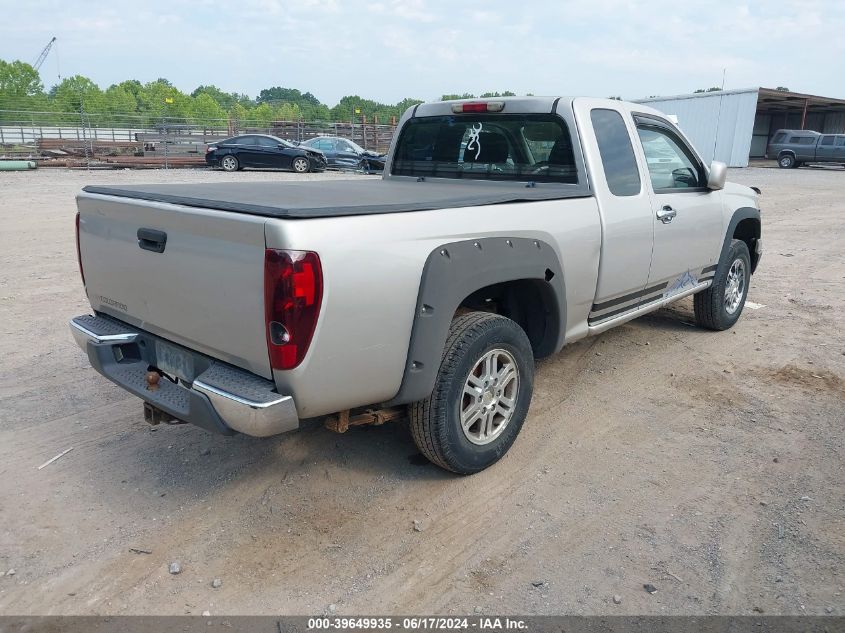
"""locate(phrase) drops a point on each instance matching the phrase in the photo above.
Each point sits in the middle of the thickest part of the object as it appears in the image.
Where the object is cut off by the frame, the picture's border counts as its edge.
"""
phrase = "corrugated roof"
(699, 95)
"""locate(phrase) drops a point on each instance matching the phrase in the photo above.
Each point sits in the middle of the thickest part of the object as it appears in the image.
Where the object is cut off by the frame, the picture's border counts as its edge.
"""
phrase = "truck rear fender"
(521, 278)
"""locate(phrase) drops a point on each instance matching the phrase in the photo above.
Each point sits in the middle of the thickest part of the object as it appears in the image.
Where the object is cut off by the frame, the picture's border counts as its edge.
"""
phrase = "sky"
(391, 49)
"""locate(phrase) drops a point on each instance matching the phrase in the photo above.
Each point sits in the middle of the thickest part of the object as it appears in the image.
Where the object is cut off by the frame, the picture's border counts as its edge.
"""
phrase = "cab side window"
(617, 153)
(671, 165)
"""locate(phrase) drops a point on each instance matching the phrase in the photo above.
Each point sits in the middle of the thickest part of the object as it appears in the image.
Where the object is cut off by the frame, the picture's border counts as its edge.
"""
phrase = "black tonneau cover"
(321, 199)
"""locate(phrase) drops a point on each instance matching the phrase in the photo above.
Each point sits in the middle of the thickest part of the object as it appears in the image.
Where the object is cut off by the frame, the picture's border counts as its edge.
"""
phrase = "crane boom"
(43, 54)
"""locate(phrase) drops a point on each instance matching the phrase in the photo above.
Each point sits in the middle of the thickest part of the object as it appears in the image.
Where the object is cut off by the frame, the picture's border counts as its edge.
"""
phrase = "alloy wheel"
(489, 396)
(735, 286)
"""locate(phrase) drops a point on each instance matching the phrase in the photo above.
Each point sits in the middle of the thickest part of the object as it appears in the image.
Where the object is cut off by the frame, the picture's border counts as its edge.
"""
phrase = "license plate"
(172, 360)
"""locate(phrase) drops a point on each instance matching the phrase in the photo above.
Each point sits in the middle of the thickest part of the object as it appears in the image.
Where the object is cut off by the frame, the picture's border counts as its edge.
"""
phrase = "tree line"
(21, 90)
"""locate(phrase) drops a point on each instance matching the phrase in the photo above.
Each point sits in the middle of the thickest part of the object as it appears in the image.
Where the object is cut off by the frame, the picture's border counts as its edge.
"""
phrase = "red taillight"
(293, 291)
(476, 106)
(79, 251)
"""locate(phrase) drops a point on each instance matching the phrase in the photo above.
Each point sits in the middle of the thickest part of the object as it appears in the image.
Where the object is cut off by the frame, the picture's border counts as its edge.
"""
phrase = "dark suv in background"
(793, 148)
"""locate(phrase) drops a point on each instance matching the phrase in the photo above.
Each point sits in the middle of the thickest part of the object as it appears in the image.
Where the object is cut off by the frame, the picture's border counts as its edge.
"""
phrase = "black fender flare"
(452, 272)
(742, 213)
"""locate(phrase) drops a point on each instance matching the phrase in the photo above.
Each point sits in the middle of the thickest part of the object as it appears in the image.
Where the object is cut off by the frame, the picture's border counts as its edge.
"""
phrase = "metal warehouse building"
(735, 125)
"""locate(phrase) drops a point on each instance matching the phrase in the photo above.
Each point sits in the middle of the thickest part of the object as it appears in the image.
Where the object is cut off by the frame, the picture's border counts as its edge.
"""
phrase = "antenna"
(719, 115)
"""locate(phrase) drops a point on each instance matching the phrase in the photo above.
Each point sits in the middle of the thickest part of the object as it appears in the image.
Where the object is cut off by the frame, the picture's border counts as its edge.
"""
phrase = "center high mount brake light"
(478, 106)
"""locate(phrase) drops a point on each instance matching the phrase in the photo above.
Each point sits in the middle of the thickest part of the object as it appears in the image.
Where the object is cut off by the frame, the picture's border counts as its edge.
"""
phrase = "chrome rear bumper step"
(219, 398)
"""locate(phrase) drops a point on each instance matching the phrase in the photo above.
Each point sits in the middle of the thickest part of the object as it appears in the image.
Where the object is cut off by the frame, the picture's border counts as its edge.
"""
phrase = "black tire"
(364, 166)
(786, 161)
(435, 422)
(230, 163)
(301, 165)
(712, 307)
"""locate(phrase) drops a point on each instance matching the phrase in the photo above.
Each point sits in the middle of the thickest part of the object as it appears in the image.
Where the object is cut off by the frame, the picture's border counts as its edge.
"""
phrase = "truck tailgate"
(205, 290)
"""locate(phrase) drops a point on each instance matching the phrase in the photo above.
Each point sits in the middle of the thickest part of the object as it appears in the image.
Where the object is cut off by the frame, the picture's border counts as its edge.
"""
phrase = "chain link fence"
(74, 138)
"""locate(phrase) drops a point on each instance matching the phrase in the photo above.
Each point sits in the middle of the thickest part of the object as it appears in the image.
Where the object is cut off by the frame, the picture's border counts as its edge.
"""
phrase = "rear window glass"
(803, 140)
(779, 137)
(525, 147)
(617, 153)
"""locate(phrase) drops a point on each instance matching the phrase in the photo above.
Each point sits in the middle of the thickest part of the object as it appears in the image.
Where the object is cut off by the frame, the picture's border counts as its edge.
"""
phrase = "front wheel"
(301, 165)
(719, 307)
(481, 394)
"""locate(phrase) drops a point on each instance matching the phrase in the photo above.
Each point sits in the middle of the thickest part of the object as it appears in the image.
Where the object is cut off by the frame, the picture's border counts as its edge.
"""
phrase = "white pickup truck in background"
(501, 231)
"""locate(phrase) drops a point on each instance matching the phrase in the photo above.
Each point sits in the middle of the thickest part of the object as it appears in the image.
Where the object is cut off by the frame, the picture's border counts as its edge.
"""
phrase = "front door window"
(670, 165)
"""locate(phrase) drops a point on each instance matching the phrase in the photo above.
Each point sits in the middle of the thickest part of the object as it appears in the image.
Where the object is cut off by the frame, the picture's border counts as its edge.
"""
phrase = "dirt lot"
(709, 465)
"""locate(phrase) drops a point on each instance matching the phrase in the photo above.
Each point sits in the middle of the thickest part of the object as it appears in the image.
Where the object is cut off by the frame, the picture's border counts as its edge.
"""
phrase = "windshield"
(356, 147)
(527, 147)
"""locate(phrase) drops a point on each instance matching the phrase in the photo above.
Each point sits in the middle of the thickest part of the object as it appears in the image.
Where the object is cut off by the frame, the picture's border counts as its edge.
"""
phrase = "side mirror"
(716, 177)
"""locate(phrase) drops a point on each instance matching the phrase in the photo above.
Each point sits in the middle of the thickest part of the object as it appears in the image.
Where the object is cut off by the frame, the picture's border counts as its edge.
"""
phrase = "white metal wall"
(727, 132)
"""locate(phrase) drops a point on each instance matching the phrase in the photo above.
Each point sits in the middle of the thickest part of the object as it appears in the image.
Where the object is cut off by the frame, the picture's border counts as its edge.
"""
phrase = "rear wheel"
(301, 165)
(719, 307)
(229, 163)
(786, 161)
(480, 397)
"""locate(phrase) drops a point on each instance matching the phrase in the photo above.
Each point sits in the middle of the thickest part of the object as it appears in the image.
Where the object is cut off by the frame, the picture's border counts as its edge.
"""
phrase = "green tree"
(224, 99)
(263, 115)
(287, 112)
(207, 111)
(310, 107)
(290, 95)
(119, 100)
(466, 95)
(160, 100)
(19, 79)
(20, 87)
(132, 86)
(239, 114)
(76, 92)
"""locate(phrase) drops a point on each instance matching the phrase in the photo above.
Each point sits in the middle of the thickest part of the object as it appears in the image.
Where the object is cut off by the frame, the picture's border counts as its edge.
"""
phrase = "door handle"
(152, 240)
(666, 214)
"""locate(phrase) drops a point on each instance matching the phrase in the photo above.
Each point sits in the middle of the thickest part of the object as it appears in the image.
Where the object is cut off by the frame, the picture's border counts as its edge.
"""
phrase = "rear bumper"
(218, 397)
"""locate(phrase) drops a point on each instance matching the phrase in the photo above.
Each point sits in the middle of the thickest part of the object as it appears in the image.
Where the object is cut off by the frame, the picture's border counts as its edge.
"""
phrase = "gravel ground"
(708, 465)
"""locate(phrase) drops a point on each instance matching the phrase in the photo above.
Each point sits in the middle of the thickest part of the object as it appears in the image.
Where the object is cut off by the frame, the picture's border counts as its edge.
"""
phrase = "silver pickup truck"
(501, 231)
